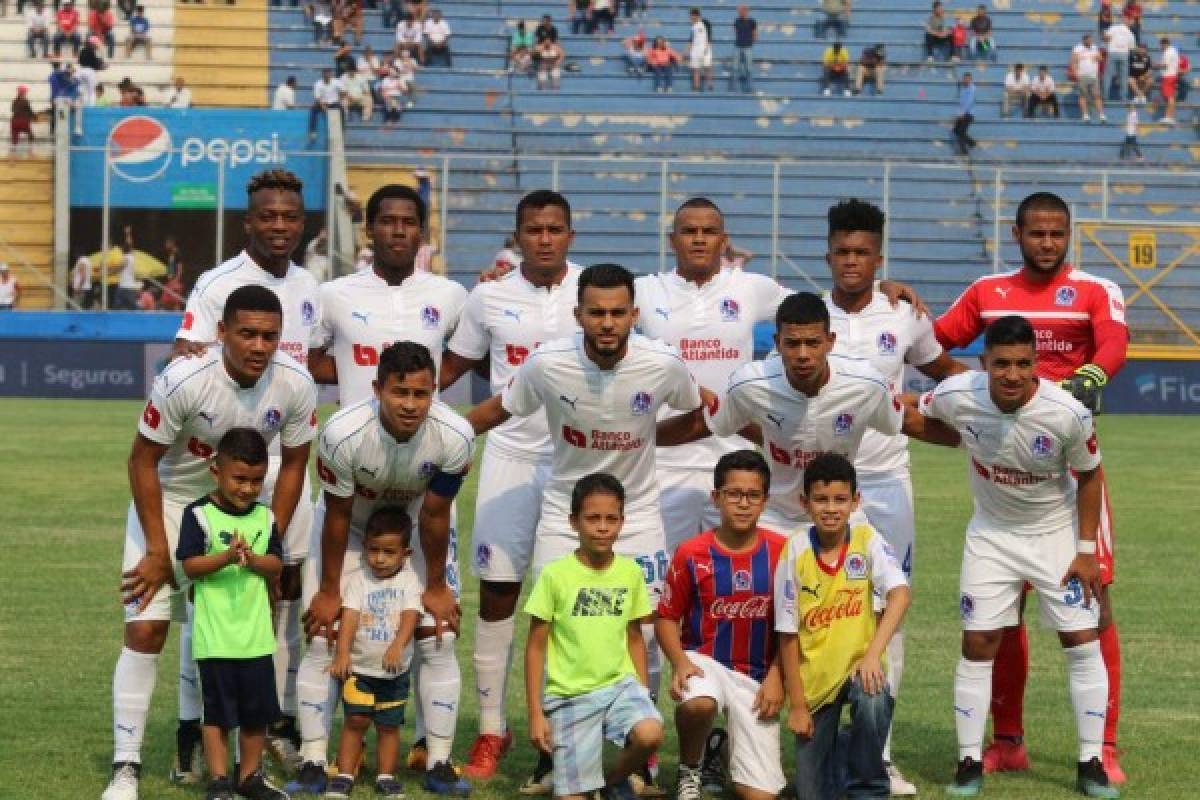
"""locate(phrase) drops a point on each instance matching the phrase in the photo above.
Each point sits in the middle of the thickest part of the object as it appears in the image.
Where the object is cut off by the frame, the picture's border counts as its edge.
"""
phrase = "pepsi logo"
(139, 149)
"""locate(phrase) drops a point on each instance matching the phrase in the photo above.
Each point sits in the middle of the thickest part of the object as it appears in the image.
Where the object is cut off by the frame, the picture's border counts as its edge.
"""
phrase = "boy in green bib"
(231, 550)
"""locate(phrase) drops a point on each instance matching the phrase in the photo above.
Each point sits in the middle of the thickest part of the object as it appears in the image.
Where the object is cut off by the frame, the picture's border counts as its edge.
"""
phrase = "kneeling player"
(585, 636)
(719, 587)
(1025, 437)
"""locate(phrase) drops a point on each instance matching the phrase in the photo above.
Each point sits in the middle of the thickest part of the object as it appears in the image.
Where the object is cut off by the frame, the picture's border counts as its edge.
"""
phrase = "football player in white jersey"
(244, 383)
(886, 336)
(503, 322)
(600, 391)
(401, 447)
(1033, 522)
(708, 314)
(364, 312)
(274, 224)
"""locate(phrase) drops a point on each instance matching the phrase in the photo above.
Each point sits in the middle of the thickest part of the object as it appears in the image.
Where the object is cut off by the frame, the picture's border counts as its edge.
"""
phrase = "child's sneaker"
(444, 779)
(257, 787)
(418, 756)
(123, 785)
(968, 779)
(1092, 781)
(620, 791)
(189, 754)
(712, 764)
(340, 787)
(387, 786)
(311, 779)
(485, 755)
(219, 789)
(541, 782)
(690, 785)
(283, 743)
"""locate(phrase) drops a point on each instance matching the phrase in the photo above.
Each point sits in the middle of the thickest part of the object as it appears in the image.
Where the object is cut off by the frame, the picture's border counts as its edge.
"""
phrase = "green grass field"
(62, 527)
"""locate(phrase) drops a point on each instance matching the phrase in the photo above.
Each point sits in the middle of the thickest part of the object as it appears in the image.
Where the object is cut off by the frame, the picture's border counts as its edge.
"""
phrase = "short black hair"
(396, 191)
(596, 483)
(280, 179)
(1013, 329)
(1042, 201)
(251, 298)
(605, 276)
(802, 308)
(243, 444)
(855, 215)
(827, 468)
(746, 460)
(389, 519)
(539, 199)
(402, 359)
(699, 202)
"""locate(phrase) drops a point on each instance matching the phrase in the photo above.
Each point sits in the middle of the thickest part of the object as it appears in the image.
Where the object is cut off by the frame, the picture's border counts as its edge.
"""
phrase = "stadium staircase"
(26, 231)
(221, 52)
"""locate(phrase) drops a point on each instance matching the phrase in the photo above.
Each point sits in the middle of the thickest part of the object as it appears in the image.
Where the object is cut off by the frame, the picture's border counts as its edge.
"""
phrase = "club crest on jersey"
(741, 581)
(1043, 446)
(641, 403)
(308, 312)
(856, 567)
(730, 310)
(842, 424)
(427, 469)
(272, 418)
(431, 317)
(483, 555)
(966, 606)
(1065, 296)
(887, 343)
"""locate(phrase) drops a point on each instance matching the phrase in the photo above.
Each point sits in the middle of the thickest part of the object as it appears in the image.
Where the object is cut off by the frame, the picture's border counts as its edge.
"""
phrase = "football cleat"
(340, 787)
(445, 779)
(387, 786)
(541, 782)
(900, 786)
(257, 787)
(189, 767)
(123, 785)
(1092, 781)
(311, 779)
(968, 779)
(219, 789)
(418, 756)
(1005, 755)
(485, 755)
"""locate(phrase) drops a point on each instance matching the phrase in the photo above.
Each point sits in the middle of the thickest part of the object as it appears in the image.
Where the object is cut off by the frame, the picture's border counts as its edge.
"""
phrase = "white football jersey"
(797, 428)
(194, 402)
(361, 315)
(602, 420)
(887, 338)
(1020, 462)
(357, 456)
(297, 293)
(504, 321)
(712, 328)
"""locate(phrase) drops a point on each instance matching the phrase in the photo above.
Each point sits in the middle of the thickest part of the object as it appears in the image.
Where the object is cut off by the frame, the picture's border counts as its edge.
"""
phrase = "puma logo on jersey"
(368, 471)
(811, 590)
(777, 419)
(516, 315)
(971, 430)
(662, 312)
(207, 417)
(1002, 291)
(571, 401)
(361, 316)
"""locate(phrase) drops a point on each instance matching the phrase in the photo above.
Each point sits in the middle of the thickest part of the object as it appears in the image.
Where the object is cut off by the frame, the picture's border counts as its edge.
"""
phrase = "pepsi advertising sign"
(172, 158)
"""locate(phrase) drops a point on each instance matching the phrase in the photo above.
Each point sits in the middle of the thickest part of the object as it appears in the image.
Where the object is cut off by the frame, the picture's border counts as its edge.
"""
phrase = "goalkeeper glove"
(1085, 385)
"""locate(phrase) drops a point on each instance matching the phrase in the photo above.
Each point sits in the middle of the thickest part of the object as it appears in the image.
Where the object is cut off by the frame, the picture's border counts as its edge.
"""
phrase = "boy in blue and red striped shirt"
(715, 623)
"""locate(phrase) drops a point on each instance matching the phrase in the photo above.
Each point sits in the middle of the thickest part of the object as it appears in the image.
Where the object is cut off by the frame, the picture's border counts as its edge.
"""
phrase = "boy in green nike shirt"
(231, 550)
(585, 635)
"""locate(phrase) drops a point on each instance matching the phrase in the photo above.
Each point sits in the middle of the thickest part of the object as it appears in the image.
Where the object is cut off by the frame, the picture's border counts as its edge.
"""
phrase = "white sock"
(972, 696)
(316, 694)
(287, 654)
(133, 685)
(191, 702)
(493, 659)
(441, 684)
(653, 660)
(895, 671)
(1087, 681)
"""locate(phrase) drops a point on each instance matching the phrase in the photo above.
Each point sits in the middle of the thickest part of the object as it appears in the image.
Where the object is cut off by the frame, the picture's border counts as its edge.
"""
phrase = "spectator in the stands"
(20, 121)
(103, 98)
(745, 34)
(356, 93)
(126, 8)
(90, 65)
(1141, 74)
(37, 28)
(1121, 42)
(320, 14)
(872, 68)
(1129, 147)
(1042, 92)
(101, 22)
(393, 11)
(180, 95)
(81, 282)
(417, 9)
(1104, 18)
(326, 95)
(700, 52)
(520, 61)
(371, 68)
(10, 289)
(661, 59)
(734, 257)
(410, 35)
(550, 58)
(348, 14)
(507, 258)
(285, 95)
(938, 34)
(1169, 67)
(835, 70)
(634, 54)
(343, 56)
(520, 41)
(958, 41)
(405, 66)
(1085, 67)
(545, 29)
(834, 14)
(581, 17)
(983, 44)
(1132, 15)
(437, 40)
(966, 115)
(602, 16)
(64, 86)
(139, 33)
(391, 89)
(1016, 90)
(67, 22)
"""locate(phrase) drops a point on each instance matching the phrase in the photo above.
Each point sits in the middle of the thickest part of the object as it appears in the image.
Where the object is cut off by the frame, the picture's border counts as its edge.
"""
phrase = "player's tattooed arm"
(896, 291)
(682, 428)
(454, 367)
(322, 366)
(487, 415)
(186, 348)
(141, 583)
(1089, 497)
(927, 429)
(433, 527)
(326, 604)
(535, 666)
